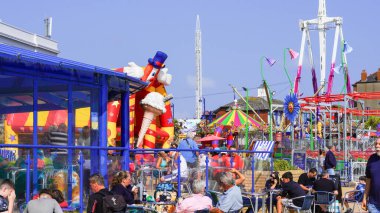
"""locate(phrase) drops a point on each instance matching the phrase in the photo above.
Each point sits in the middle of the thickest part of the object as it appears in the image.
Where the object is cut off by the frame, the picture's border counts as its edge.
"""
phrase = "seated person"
(273, 183)
(239, 179)
(45, 204)
(163, 163)
(325, 185)
(356, 196)
(174, 172)
(121, 185)
(196, 175)
(58, 196)
(7, 196)
(197, 201)
(231, 199)
(290, 189)
(306, 180)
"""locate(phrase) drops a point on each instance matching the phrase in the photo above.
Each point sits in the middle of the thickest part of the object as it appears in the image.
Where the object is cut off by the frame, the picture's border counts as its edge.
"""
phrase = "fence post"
(28, 177)
(81, 161)
(207, 171)
(179, 175)
(253, 173)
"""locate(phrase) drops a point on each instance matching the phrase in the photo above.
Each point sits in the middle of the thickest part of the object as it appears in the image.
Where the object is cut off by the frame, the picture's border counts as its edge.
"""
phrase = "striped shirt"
(58, 139)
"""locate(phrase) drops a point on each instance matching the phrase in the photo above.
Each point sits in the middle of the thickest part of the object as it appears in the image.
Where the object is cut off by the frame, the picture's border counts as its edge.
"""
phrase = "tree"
(372, 122)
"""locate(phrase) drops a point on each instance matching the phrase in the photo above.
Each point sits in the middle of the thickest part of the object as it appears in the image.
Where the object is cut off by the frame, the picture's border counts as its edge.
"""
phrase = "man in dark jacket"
(290, 189)
(95, 201)
(325, 185)
(330, 160)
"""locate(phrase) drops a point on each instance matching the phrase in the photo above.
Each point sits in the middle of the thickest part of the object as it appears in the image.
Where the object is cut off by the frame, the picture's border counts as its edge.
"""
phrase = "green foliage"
(283, 165)
(177, 129)
(372, 122)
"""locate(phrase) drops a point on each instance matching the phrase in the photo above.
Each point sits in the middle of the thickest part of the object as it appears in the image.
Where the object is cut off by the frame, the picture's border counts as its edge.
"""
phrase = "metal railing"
(80, 164)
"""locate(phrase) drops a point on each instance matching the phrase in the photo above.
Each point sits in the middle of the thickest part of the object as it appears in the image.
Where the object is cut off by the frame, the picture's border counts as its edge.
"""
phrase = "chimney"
(363, 76)
(378, 74)
(48, 26)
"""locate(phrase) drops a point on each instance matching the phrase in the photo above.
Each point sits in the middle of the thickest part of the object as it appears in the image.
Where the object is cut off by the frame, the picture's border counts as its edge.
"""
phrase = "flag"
(293, 54)
(347, 48)
(337, 69)
(270, 61)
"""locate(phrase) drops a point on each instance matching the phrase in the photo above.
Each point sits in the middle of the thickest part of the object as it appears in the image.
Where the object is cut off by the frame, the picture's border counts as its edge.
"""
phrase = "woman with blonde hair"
(122, 185)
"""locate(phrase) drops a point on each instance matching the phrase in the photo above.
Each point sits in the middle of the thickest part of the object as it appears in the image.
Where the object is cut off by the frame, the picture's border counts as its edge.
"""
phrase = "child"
(356, 196)
(58, 196)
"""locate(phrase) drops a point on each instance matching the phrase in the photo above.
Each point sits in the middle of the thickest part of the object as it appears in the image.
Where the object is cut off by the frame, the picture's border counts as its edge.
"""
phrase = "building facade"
(369, 83)
(16, 37)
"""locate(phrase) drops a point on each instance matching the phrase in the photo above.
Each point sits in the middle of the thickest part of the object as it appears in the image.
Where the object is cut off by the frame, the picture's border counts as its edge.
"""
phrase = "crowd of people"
(230, 181)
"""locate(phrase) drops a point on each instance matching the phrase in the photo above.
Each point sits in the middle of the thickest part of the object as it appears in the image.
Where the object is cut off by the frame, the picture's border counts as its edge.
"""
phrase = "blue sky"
(235, 34)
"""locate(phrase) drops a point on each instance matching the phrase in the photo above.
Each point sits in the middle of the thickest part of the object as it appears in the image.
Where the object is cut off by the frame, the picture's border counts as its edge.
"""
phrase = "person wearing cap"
(330, 160)
(189, 143)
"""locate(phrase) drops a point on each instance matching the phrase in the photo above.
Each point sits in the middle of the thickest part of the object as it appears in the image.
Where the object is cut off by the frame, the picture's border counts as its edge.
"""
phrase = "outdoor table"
(138, 208)
(142, 172)
(271, 192)
(257, 195)
(68, 209)
(154, 204)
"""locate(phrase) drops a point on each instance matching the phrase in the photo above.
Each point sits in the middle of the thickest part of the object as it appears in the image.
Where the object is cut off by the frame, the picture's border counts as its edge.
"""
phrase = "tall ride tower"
(198, 69)
(321, 24)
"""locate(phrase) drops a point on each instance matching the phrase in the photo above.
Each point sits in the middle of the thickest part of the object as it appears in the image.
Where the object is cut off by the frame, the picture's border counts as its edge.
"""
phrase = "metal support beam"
(103, 128)
(125, 128)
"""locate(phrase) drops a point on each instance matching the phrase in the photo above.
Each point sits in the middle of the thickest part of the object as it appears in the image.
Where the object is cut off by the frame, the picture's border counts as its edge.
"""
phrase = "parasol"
(235, 118)
(210, 138)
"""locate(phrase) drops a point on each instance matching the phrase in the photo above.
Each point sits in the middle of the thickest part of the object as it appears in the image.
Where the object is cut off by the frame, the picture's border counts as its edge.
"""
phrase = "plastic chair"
(306, 206)
(214, 197)
(323, 198)
(356, 200)
(139, 209)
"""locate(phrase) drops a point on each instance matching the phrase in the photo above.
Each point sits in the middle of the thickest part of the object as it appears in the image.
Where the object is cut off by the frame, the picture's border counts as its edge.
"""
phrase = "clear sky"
(235, 34)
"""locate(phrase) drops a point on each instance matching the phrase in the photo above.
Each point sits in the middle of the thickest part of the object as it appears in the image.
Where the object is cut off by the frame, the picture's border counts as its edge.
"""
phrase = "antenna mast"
(198, 69)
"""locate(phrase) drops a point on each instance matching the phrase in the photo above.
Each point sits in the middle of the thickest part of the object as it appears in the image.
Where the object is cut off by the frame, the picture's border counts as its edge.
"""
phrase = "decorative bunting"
(270, 61)
(347, 48)
(293, 54)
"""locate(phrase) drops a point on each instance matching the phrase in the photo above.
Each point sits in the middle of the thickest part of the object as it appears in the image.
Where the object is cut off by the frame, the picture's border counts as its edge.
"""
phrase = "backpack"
(113, 203)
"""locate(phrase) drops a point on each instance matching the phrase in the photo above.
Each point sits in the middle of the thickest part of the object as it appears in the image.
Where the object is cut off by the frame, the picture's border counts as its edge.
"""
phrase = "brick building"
(369, 83)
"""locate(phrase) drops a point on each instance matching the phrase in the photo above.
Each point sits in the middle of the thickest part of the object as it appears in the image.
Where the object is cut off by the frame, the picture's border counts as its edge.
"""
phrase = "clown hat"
(158, 60)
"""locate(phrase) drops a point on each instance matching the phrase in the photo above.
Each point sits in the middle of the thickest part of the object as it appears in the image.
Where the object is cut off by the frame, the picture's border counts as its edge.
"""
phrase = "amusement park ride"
(151, 122)
(322, 24)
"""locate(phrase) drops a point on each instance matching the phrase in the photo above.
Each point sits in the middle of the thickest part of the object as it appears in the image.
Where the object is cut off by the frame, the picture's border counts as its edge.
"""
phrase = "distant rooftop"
(258, 103)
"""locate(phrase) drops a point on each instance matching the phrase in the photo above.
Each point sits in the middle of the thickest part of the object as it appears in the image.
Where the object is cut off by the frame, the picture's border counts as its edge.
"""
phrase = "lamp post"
(246, 121)
(269, 93)
(172, 105)
(286, 71)
(204, 107)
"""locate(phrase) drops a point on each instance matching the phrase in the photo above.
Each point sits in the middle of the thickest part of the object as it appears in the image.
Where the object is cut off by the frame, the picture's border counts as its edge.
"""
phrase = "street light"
(246, 122)
(271, 62)
(293, 55)
(172, 105)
